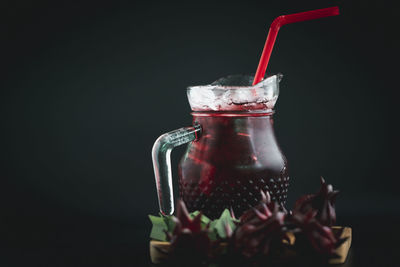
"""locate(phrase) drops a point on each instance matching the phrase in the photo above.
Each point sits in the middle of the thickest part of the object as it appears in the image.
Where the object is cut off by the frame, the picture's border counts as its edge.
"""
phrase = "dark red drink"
(236, 156)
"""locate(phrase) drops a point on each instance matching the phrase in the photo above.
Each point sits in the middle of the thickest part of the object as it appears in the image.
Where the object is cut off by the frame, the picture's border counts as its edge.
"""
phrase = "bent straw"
(276, 25)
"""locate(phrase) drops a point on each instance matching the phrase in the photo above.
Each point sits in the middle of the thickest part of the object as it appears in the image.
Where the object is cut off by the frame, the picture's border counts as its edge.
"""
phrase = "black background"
(86, 88)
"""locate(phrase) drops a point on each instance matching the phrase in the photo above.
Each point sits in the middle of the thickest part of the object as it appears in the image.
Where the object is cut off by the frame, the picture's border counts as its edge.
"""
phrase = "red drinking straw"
(276, 25)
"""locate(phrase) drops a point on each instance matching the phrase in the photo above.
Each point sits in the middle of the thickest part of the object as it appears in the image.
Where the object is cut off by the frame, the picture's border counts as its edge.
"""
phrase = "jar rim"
(246, 113)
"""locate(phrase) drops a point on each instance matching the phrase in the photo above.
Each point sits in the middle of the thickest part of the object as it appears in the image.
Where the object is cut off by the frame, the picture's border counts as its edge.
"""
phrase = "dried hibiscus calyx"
(264, 233)
(323, 203)
(260, 231)
(311, 236)
(189, 241)
(266, 207)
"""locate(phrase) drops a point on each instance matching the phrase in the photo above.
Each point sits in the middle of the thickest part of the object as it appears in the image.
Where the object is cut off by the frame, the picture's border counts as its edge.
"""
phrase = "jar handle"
(161, 154)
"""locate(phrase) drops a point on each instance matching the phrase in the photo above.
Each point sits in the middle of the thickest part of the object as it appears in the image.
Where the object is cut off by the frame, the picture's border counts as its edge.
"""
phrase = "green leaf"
(212, 234)
(170, 223)
(204, 219)
(194, 214)
(218, 225)
(159, 228)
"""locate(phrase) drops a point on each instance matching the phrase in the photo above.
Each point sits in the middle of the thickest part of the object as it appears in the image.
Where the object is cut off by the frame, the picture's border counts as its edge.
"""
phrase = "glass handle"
(161, 155)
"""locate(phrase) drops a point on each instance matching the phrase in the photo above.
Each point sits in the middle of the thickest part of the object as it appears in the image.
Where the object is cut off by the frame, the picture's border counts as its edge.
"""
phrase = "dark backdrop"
(86, 88)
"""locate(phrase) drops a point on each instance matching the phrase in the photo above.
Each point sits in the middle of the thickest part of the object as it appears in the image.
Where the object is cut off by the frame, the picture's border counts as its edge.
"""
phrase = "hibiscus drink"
(236, 156)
